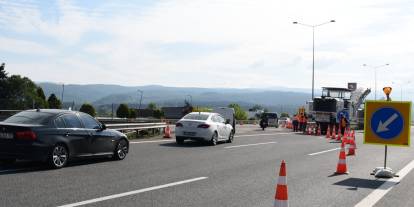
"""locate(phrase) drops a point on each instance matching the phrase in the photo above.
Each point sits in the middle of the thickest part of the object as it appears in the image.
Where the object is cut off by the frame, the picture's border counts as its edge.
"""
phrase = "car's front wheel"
(59, 156)
(121, 150)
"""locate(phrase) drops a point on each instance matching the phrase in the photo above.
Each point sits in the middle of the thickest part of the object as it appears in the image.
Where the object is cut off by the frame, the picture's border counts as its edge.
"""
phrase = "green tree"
(3, 74)
(132, 113)
(54, 102)
(152, 106)
(284, 114)
(158, 113)
(41, 101)
(122, 111)
(88, 108)
(256, 107)
(17, 92)
(240, 114)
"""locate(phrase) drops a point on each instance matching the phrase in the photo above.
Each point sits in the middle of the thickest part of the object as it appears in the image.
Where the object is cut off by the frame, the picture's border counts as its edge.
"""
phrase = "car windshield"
(201, 117)
(29, 117)
(271, 115)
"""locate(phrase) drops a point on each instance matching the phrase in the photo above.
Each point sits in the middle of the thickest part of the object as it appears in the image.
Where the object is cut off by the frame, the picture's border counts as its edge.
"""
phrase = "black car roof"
(54, 111)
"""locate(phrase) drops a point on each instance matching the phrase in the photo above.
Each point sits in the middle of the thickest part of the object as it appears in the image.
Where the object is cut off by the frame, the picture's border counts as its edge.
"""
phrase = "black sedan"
(56, 136)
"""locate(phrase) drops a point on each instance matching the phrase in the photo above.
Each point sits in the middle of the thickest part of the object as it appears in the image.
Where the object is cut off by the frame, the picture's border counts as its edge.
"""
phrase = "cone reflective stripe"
(351, 150)
(338, 138)
(328, 132)
(281, 196)
(341, 167)
(167, 132)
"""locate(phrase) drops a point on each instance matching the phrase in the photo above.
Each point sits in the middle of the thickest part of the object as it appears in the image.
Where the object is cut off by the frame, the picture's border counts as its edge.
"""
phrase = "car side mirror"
(103, 127)
(227, 121)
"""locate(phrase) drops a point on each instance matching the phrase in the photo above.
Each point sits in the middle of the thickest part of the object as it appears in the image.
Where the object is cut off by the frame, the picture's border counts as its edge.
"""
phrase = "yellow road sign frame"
(403, 139)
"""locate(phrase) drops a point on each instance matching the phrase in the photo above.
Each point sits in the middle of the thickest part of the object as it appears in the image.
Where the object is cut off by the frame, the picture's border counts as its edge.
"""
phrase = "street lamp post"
(63, 91)
(313, 50)
(401, 88)
(140, 101)
(375, 75)
(191, 99)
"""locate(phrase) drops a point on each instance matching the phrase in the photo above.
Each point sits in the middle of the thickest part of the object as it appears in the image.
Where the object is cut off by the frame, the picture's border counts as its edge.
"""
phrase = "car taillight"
(178, 125)
(26, 135)
(204, 126)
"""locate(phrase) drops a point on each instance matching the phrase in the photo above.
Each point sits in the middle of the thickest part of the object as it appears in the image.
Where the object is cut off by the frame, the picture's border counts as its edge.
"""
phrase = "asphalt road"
(244, 173)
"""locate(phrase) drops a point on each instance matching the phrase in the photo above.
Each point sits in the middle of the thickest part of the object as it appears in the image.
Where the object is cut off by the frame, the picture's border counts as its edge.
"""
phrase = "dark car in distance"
(57, 136)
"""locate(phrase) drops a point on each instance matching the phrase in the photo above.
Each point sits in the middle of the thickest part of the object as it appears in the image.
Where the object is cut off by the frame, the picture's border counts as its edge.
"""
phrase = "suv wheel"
(214, 139)
(179, 140)
(231, 137)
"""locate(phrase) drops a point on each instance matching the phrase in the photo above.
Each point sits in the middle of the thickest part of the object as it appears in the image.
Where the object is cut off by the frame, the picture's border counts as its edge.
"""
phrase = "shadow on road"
(355, 183)
(187, 144)
(31, 166)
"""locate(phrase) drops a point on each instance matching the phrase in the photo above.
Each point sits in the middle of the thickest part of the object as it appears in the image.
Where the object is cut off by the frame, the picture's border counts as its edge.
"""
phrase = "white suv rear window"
(196, 116)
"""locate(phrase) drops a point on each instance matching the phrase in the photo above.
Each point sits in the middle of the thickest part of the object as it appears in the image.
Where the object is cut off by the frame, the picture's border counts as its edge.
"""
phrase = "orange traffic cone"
(167, 131)
(351, 150)
(319, 133)
(281, 197)
(338, 137)
(341, 167)
(328, 132)
(333, 133)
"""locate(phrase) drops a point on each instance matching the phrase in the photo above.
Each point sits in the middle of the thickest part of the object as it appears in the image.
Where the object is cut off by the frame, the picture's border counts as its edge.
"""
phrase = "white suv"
(203, 126)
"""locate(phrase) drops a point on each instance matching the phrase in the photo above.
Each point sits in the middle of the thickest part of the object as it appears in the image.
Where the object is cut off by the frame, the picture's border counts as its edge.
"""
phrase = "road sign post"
(387, 123)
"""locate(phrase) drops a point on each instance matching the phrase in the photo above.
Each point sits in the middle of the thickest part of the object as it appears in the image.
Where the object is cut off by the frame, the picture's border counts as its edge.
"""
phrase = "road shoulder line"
(382, 190)
(248, 145)
(321, 152)
(132, 192)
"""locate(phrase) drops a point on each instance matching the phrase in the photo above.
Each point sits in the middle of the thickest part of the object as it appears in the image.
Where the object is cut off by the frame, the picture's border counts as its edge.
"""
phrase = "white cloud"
(24, 47)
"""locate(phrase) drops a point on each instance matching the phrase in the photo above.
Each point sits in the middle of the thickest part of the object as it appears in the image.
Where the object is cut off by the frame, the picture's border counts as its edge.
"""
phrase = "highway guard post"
(387, 123)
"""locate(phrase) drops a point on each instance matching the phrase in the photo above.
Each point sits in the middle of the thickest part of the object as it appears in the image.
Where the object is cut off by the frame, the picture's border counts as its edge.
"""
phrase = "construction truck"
(335, 102)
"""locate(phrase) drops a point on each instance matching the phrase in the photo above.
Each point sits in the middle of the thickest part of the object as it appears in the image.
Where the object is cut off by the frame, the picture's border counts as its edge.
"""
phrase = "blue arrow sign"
(387, 123)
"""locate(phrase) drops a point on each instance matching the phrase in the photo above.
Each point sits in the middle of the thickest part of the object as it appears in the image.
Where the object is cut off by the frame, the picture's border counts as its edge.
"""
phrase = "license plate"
(189, 133)
(4, 135)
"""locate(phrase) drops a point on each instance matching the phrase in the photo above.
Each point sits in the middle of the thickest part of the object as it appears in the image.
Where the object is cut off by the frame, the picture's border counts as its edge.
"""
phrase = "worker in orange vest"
(305, 122)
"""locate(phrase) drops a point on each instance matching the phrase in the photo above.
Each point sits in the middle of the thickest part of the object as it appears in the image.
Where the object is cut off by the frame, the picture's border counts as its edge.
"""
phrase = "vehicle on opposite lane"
(204, 126)
(56, 136)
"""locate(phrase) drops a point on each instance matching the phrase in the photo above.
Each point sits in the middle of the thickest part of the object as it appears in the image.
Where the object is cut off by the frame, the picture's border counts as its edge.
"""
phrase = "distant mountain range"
(101, 95)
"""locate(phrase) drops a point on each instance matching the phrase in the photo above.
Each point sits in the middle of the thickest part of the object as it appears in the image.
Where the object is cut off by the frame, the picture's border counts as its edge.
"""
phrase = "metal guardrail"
(136, 126)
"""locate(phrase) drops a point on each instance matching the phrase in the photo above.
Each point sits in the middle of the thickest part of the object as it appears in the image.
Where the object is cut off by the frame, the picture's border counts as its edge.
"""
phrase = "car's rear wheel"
(59, 156)
(121, 150)
(231, 137)
(214, 139)
(179, 140)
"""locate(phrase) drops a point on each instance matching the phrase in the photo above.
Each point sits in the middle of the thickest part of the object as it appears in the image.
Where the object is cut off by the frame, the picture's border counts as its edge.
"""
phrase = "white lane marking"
(133, 192)
(153, 141)
(321, 152)
(173, 140)
(252, 135)
(380, 192)
(247, 145)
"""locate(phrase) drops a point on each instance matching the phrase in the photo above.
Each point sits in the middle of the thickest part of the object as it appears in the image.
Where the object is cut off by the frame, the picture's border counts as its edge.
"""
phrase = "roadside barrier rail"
(136, 126)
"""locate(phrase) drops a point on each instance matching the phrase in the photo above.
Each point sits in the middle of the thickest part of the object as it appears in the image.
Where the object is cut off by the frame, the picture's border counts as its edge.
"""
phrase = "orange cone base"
(341, 173)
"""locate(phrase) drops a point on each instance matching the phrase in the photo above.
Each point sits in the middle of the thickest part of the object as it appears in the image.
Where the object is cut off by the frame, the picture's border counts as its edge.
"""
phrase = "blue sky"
(215, 43)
